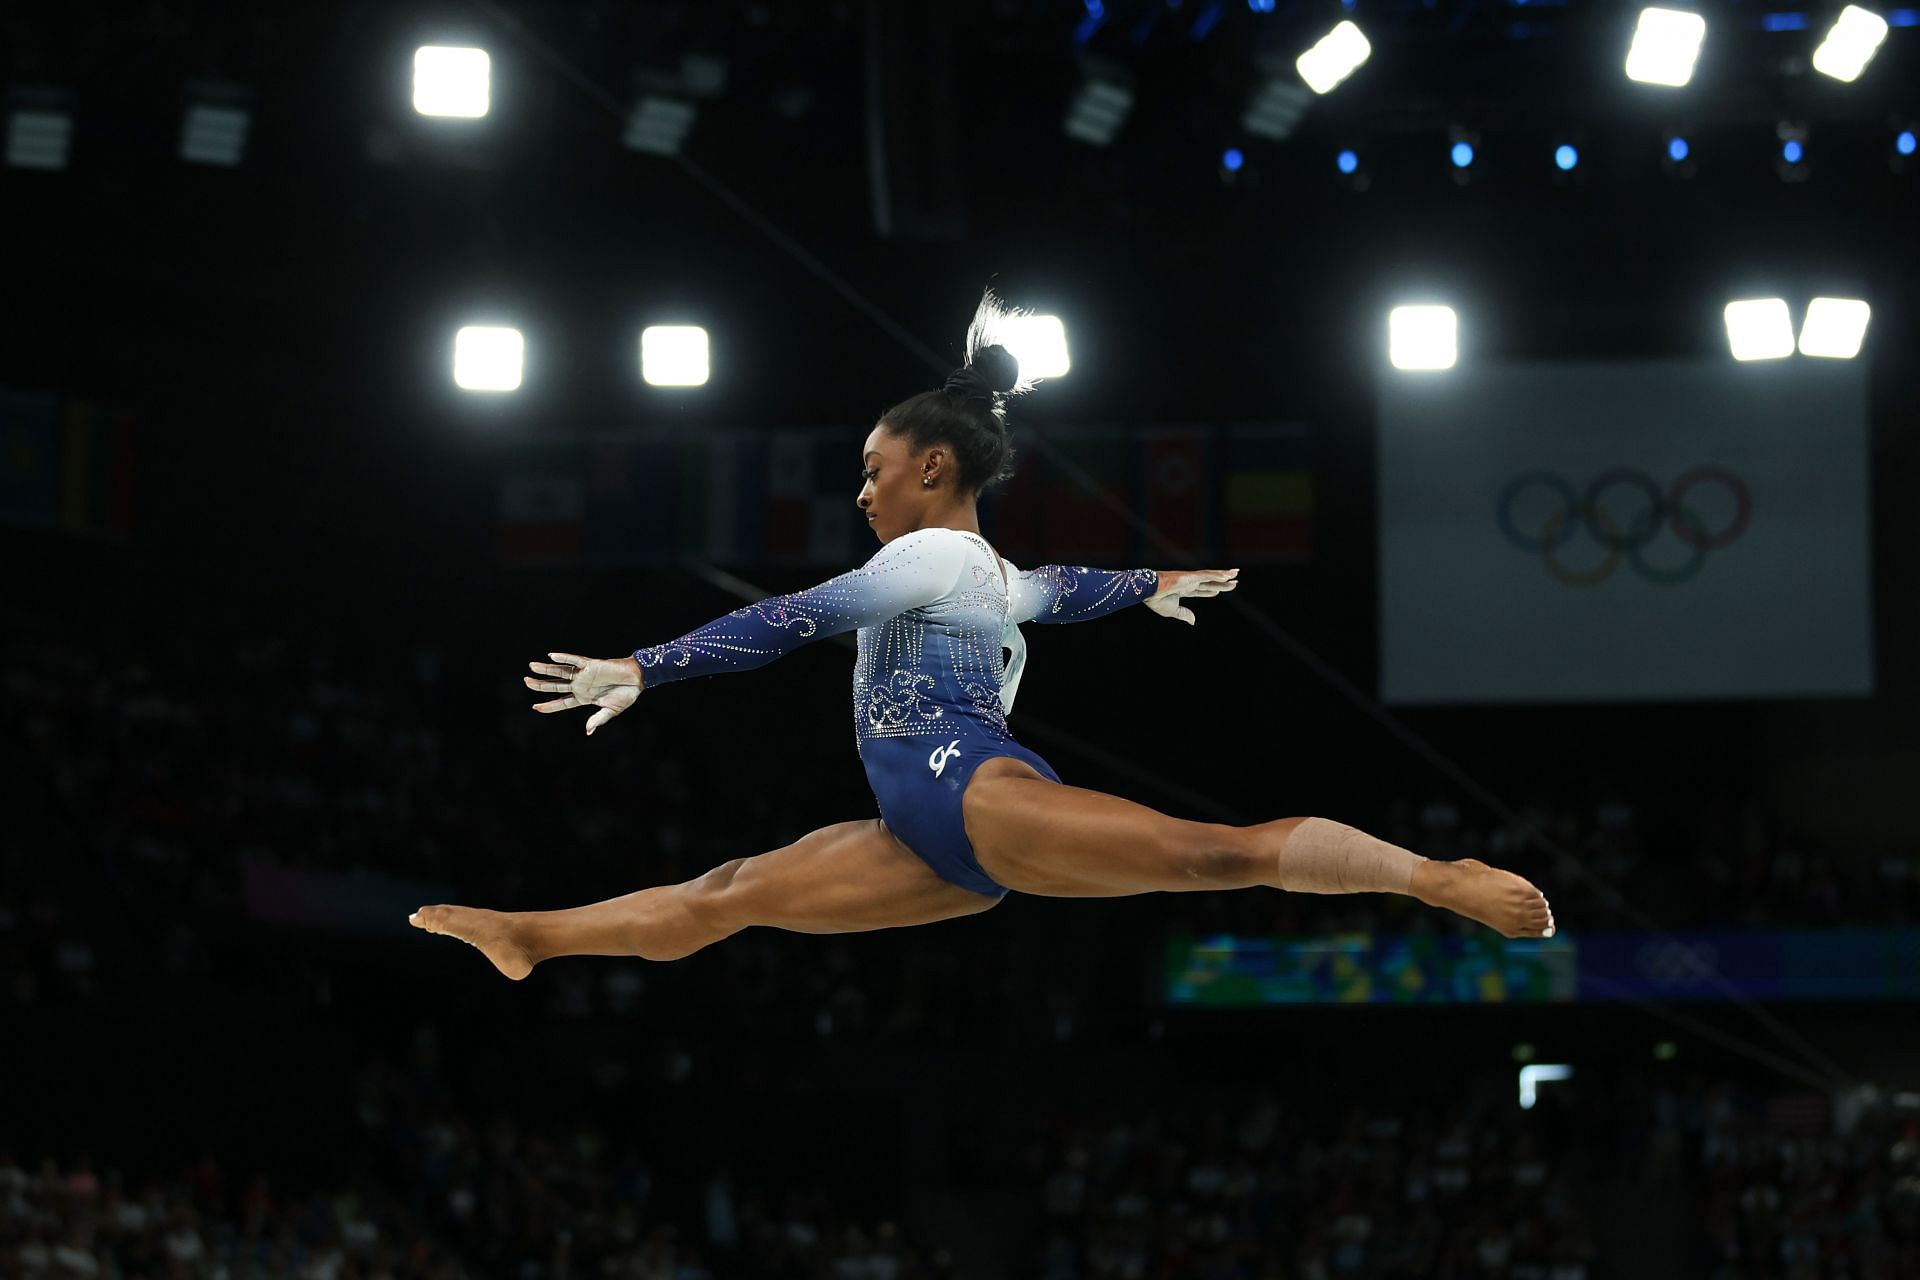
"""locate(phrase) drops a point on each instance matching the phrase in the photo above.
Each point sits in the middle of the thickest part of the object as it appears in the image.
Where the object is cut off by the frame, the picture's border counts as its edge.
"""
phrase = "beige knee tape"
(1331, 857)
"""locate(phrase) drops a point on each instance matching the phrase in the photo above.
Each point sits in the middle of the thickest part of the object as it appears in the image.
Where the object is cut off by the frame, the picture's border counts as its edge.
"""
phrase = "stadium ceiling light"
(1423, 337)
(488, 358)
(1790, 161)
(659, 125)
(1463, 153)
(1039, 343)
(1759, 329)
(674, 355)
(1677, 155)
(214, 135)
(451, 81)
(1099, 108)
(1666, 43)
(214, 129)
(1850, 44)
(39, 129)
(1351, 164)
(1835, 328)
(1276, 108)
(1336, 55)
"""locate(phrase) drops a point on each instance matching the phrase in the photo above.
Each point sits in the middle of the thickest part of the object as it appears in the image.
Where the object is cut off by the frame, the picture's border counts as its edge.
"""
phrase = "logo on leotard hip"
(938, 760)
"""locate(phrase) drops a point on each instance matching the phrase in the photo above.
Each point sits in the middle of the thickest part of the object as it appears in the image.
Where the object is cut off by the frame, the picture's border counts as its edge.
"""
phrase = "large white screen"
(1761, 591)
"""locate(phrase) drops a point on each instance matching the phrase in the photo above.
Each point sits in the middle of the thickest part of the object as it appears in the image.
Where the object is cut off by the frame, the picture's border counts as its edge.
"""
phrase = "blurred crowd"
(1262, 1191)
(1780, 1189)
(1704, 1178)
(439, 1192)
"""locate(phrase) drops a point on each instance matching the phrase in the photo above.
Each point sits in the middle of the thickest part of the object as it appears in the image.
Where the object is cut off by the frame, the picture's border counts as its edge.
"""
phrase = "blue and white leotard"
(940, 659)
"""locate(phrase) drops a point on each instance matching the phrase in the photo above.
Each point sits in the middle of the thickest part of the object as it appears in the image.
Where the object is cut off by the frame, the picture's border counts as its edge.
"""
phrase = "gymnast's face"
(884, 471)
(892, 495)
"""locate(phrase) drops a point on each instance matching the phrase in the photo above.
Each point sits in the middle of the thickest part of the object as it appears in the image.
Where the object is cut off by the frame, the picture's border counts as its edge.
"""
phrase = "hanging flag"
(736, 496)
(29, 459)
(1174, 463)
(689, 463)
(837, 518)
(627, 501)
(96, 474)
(1013, 513)
(1268, 485)
(541, 518)
(66, 464)
(1086, 506)
(789, 496)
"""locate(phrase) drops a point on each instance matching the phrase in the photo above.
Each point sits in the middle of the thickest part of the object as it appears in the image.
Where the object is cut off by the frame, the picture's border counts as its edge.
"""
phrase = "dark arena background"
(324, 413)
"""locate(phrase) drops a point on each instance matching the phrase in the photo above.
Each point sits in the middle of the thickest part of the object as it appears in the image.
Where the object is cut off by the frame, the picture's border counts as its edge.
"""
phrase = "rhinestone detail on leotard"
(936, 620)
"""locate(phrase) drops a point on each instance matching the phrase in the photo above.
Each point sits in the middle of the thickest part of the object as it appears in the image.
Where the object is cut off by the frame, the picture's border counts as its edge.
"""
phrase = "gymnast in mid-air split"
(966, 812)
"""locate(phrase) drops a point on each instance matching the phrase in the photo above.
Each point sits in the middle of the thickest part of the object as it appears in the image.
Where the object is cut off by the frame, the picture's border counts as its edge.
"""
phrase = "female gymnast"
(966, 812)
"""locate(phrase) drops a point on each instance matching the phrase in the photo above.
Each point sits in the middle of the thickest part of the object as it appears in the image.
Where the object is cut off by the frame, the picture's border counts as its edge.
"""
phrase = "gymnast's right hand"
(611, 684)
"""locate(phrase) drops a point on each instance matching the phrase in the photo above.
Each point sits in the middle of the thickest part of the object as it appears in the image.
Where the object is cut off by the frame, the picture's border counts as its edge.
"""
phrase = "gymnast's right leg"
(846, 878)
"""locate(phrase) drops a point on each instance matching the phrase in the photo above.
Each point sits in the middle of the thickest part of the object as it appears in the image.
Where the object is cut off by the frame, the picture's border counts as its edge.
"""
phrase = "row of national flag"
(1232, 493)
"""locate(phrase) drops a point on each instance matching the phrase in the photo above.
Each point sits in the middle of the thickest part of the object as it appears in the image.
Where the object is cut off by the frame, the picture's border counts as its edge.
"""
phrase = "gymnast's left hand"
(1178, 584)
(611, 684)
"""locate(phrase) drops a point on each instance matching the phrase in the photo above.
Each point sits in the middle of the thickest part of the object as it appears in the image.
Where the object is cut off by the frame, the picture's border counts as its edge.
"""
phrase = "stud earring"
(927, 480)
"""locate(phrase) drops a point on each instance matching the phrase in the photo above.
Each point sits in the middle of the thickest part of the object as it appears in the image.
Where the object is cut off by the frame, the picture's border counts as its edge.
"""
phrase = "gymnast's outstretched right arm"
(914, 569)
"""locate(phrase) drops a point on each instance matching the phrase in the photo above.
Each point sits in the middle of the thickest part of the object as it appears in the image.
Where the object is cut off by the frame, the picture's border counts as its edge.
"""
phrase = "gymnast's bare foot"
(491, 931)
(1498, 899)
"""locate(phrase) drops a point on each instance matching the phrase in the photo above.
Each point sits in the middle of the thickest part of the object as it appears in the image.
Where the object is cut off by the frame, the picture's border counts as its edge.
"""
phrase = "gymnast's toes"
(489, 931)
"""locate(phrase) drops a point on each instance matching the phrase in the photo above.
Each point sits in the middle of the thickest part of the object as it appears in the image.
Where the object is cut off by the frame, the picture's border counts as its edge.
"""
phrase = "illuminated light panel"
(449, 81)
(1759, 329)
(1423, 337)
(1850, 44)
(1337, 55)
(1834, 328)
(1039, 343)
(488, 358)
(674, 355)
(1666, 43)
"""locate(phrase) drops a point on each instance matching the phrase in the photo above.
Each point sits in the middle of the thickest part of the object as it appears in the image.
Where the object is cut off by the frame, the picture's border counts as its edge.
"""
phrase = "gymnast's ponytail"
(968, 414)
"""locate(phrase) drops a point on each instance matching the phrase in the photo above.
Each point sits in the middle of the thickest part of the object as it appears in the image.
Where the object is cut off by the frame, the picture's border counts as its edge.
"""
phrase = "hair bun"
(997, 368)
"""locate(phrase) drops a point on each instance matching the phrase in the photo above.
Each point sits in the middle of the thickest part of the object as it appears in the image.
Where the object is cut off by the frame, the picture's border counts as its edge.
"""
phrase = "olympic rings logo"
(1675, 963)
(1581, 509)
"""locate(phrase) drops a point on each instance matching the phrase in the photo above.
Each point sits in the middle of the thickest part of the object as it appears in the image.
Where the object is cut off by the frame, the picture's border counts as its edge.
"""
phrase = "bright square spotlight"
(1039, 343)
(1834, 328)
(488, 358)
(450, 81)
(674, 355)
(1423, 337)
(1665, 44)
(1850, 45)
(1759, 329)
(1338, 55)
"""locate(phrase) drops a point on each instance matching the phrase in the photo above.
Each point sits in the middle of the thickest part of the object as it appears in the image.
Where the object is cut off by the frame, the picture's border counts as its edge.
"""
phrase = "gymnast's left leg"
(1037, 836)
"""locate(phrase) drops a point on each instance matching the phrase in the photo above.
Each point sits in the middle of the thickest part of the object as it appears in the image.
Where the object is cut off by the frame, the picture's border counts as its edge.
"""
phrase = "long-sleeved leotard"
(940, 658)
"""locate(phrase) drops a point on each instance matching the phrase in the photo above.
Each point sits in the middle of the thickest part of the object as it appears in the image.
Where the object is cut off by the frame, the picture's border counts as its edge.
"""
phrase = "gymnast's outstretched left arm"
(1075, 593)
(914, 569)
